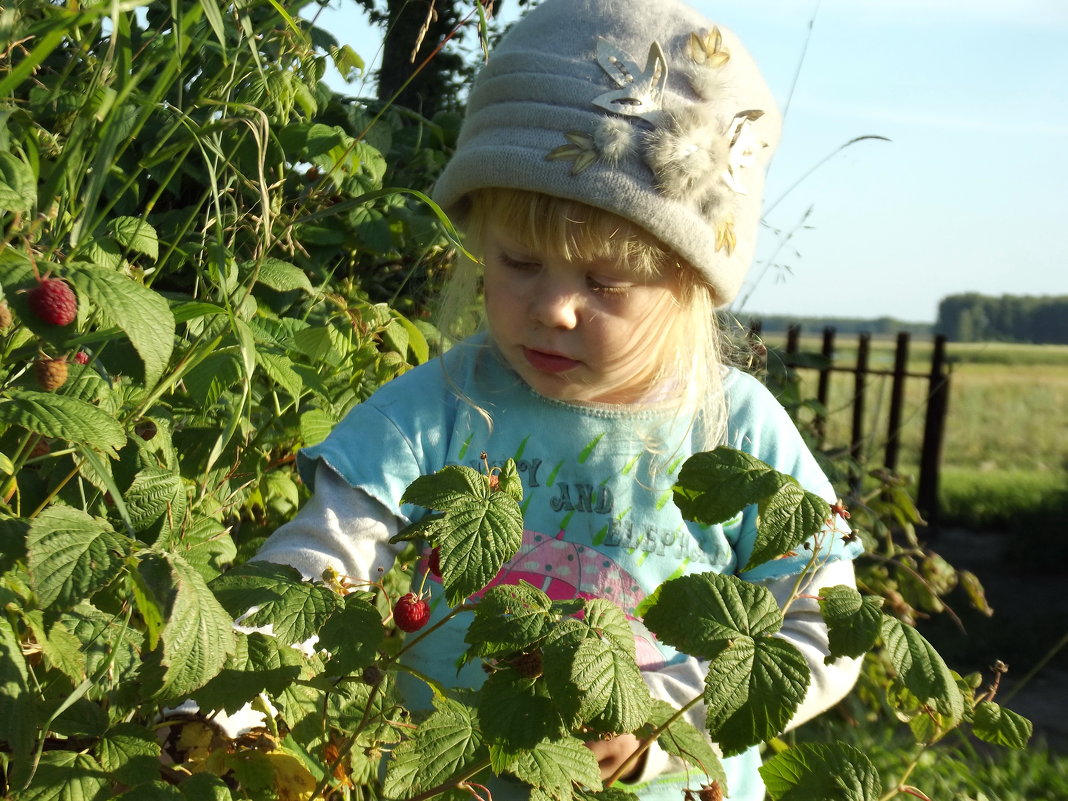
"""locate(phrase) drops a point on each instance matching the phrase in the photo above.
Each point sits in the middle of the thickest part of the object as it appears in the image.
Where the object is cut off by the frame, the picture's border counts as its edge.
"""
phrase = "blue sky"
(969, 196)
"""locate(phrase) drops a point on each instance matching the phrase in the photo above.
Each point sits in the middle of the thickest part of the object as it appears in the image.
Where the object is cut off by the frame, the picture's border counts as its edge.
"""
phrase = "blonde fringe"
(694, 355)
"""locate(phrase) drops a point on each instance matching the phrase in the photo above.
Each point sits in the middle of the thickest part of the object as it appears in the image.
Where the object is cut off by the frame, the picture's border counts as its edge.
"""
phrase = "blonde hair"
(692, 351)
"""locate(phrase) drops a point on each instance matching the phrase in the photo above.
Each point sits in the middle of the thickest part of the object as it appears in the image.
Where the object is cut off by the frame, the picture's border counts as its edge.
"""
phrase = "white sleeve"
(803, 626)
(340, 527)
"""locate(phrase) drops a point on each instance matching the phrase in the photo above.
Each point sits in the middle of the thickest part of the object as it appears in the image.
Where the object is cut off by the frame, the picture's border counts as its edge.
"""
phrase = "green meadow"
(1005, 448)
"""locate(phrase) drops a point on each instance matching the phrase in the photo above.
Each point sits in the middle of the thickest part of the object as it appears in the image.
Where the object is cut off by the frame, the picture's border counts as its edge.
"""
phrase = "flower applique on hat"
(692, 153)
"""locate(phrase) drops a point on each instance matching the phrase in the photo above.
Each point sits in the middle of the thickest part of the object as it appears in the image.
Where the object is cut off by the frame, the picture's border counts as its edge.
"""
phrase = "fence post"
(933, 434)
(823, 390)
(856, 445)
(897, 397)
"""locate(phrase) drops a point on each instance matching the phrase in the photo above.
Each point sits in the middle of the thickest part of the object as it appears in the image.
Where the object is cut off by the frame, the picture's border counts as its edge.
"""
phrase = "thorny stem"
(343, 751)
(630, 762)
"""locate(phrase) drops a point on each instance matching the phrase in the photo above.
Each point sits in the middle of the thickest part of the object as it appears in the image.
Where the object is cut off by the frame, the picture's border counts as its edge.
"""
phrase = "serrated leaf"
(509, 618)
(482, 528)
(515, 713)
(18, 721)
(698, 614)
(71, 556)
(142, 314)
(811, 772)
(684, 741)
(280, 276)
(608, 620)
(63, 418)
(553, 766)
(1000, 726)
(198, 635)
(212, 377)
(786, 519)
(752, 690)
(315, 426)
(295, 609)
(135, 234)
(18, 186)
(921, 668)
(417, 344)
(445, 744)
(352, 636)
(280, 370)
(716, 485)
(156, 492)
(613, 695)
(66, 776)
(110, 646)
(205, 787)
(13, 532)
(130, 753)
(853, 621)
(59, 646)
(157, 790)
(259, 664)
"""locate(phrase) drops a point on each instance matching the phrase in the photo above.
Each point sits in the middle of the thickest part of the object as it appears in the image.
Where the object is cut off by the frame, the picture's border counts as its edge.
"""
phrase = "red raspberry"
(411, 613)
(54, 302)
(51, 373)
(81, 357)
(434, 562)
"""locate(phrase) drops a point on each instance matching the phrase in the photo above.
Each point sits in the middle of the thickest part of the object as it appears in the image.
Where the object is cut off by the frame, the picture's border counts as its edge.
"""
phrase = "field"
(1005, 448)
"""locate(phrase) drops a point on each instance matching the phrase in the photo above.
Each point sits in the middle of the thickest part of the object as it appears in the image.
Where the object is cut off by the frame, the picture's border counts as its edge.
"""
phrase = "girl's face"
(577, 331)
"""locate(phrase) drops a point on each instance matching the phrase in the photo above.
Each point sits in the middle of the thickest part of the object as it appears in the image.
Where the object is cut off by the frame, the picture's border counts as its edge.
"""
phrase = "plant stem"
(630, 762)
(901, 787)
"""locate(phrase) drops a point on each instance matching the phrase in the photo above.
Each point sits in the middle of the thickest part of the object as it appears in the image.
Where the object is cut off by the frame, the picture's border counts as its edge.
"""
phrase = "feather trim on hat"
(615, 138)
(687, 152)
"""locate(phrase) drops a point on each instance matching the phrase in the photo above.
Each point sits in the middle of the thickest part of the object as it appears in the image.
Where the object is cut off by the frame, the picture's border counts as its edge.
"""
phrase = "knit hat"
(641, 108)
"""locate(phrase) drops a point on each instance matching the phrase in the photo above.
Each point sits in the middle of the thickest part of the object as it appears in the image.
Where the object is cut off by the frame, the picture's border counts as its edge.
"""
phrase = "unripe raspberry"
(5, 317)
(51, 373)
(54, 302)
(145, 429)
(528, 665)
(411, 613)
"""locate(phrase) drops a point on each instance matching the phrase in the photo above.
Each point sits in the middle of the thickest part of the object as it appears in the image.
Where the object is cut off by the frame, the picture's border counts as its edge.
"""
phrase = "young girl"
(608, 176)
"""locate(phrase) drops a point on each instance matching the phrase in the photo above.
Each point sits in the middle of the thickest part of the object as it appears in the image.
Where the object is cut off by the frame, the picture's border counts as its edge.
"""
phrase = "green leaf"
(142, 314)
(699, 614)
(811, 772)
(156, 492)
(295, 609)
(280, 275)
(921, 668)
(684, 741)
(752, 690)
(259, 664)
(516, 712)
(59, 646)
(13, 533)
(71, 556)
(315, 426)
(157, 790)
(198, 635)
(786, 519)
(280, 370)
(206, 787)
(1000, 726)
(445, 744)
(613, 695)
(853, 621)
(555, 765)
(18, 185)
(129, 753)
(352, 635)
(716, 485)
(510, 618)
(60, 417)
(66, 776)
(482, 528)
(135, 234)
(18, 720)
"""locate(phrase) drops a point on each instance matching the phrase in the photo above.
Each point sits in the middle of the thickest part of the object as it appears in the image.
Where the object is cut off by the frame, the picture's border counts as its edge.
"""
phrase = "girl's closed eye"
(606, 285)
(516, 261)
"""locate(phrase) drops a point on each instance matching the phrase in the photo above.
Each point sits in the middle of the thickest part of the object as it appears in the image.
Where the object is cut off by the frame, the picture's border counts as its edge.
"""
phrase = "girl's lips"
(548, 362)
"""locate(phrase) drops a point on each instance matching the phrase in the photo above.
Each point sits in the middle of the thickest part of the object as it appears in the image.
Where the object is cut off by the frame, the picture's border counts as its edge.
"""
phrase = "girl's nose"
(555, 306)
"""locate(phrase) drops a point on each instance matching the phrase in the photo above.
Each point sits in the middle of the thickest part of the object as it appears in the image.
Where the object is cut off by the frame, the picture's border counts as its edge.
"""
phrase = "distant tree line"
(1009, 318)
(878, 326)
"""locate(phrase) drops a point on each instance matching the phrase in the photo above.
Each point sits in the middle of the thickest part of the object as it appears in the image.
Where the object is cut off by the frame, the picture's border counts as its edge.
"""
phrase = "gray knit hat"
(640, 107)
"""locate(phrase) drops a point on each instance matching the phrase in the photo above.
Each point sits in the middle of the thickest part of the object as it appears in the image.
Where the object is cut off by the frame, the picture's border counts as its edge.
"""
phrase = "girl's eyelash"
(607, 289)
